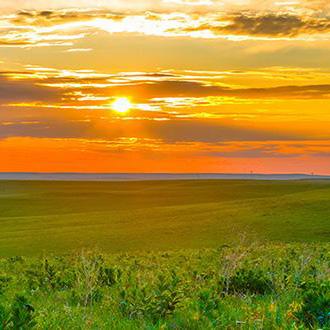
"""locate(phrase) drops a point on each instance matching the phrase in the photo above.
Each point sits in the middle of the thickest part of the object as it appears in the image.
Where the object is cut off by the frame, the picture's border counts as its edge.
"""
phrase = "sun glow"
(121, 105)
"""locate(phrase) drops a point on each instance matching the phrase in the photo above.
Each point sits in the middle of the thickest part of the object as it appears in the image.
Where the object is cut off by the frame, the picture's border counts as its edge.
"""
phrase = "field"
(246, 287)
(42, 217)
(165, 255)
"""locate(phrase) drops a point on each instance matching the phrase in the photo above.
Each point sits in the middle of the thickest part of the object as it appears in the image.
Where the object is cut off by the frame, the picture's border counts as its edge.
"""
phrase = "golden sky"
(165, 86)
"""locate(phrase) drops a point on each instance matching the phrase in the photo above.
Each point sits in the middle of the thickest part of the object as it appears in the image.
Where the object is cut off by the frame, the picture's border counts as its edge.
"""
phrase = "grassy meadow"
(165, 255)
(38, 217)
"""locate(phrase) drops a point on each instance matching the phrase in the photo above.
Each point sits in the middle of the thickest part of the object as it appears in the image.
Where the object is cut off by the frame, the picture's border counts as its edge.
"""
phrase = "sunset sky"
(165, 86)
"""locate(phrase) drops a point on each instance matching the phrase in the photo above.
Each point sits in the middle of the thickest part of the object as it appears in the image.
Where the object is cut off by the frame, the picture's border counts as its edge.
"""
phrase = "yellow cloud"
(63, 27)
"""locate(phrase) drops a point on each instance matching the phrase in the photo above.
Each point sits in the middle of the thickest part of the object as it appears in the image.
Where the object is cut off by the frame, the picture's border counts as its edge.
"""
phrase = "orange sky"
(209, 86)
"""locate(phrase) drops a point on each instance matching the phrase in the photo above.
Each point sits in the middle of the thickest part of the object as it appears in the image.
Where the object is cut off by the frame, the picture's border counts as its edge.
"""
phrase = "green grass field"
(165, 255)
(41, 217)
(272, 286)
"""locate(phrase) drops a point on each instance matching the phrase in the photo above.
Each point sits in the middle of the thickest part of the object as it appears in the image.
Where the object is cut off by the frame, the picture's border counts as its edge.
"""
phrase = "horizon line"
(165, 173)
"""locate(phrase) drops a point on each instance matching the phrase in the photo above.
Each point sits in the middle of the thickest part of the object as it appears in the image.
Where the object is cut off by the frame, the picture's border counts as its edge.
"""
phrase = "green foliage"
(108, 276)
(316, 305)
(4, 317)
(90, 275)
(4, 283)
(250, 281)
(22, 314)
(49, 275)
(249, 287)
(154, 305)
(208, 303)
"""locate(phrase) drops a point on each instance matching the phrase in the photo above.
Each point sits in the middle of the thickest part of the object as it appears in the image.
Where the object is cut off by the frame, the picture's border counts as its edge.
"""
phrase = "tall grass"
(283, 286)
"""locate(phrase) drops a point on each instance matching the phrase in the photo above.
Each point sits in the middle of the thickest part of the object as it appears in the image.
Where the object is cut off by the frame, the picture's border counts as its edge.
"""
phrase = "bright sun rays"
(121, 105)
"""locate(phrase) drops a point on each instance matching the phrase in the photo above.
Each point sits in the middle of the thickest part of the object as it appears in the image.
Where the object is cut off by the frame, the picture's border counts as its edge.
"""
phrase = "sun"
(121, 105)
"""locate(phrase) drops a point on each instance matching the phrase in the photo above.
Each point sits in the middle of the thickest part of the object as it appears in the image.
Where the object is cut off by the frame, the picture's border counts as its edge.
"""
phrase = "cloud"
(63, 27)
(322, 6)
(190, 2)
(213, 139)
(251, 153)
(53, 124)
(280, 25)
(144, 91)
(24, 91)
(182, 5)
(210, 131)
(162, 93)
(269, 149)
(48, 18)
(181, 88)
(174, 107)
(78, 50)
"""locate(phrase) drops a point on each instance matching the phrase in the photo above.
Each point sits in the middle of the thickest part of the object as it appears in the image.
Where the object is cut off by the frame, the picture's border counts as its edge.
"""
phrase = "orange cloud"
(63, 155)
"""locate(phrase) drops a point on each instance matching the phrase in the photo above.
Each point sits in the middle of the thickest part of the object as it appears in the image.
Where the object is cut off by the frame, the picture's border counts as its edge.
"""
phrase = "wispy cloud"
(63, 27)
(78, 50)
(271, 25)
(164, 91)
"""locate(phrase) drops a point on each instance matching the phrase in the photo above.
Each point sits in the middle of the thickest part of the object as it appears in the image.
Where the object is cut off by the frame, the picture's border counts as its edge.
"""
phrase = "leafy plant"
(4, 317)
(250, 281)
(4, 282)
(155, 305)
(49, 275)
(22, 314)
(208, 303)
(316, 305)
(108, 276)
